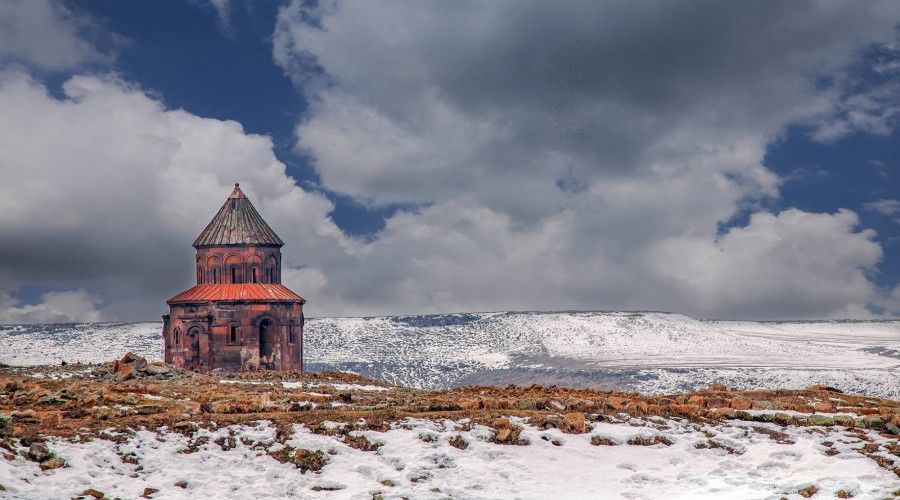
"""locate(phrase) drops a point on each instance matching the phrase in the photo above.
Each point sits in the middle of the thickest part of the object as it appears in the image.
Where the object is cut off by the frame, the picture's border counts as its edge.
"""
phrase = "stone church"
(238, 316)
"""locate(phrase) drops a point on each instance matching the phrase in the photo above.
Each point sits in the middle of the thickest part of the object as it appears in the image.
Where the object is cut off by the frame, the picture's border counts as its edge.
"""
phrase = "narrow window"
(291, 333)
(177, 337)
(233, 334)
(215, 275)
(253, 274)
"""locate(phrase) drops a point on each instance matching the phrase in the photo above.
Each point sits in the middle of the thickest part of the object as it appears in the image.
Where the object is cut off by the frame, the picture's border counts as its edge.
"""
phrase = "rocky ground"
(41, 407)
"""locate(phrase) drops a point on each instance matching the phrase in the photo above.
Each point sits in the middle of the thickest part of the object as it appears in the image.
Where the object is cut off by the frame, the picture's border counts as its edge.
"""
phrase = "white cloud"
(573, 156)
(74, 306)
(47, 35)
(105, 189)
(584, 155)
(886, 207)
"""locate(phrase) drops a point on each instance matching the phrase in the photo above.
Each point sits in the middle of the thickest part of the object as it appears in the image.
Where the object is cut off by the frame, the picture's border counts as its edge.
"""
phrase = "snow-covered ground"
(647, 352)
(416, 460)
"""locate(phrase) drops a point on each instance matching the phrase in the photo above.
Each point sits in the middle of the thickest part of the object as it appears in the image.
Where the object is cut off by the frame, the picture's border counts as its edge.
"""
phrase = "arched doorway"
(194, 335)
(266, 343)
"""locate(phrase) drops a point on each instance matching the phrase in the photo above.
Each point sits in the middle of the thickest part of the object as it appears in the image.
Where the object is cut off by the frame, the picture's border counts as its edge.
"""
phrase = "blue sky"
(438, 157)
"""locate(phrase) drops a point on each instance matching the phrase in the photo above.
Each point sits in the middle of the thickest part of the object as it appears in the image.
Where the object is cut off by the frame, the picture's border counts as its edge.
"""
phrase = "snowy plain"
(416, 460)
(635, 351)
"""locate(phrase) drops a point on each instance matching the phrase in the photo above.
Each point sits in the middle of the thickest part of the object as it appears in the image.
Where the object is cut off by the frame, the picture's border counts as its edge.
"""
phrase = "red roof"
(245, 292)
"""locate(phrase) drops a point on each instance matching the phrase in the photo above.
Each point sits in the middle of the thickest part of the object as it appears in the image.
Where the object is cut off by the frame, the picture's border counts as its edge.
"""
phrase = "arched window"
(233, 333)
(253, 275)
(176, 338)
(199, 275)
(235, 269)
(215, 275)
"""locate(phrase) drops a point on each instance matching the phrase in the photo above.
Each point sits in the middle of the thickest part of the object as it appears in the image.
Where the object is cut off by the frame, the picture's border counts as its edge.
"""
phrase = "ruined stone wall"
(205, 342)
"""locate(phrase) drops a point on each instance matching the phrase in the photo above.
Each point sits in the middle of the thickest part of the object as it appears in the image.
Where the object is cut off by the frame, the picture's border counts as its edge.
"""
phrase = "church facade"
(238, 316)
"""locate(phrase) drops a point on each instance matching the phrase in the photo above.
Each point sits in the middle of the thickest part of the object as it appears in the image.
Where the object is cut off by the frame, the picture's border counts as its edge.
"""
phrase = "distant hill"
(634, 351)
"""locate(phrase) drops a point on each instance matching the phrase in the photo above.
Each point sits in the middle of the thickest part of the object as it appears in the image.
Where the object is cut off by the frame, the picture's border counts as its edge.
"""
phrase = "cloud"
(584, 155)
(50, 36)
(575, 156)
(888, 208)
(104, 190)
(223, 11)
(75, 306)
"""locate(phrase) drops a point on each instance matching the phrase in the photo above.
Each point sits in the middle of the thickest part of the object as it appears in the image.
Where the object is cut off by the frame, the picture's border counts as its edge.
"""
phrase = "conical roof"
(237, 223)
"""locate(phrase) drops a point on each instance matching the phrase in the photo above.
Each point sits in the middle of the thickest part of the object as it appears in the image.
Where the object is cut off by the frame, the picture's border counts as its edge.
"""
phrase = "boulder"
(130, 357)
(52, 463)
(741, 403)
(686, 410)
(39, 452)
(696, 399)
(823, 407)
(25, 416)
(157, 369)
(717, 387)
(573, 423)
(125, 372)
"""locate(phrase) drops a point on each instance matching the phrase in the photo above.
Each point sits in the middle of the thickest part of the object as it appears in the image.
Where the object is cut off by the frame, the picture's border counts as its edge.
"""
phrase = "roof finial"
(237, 185)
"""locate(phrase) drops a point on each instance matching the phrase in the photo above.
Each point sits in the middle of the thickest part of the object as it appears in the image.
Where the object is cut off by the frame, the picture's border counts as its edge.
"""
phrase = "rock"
(892, 428)
(783, 419)
(507, 432)
(823, 407)
(125, 372)
(130, 357)
(77, 412)
(148, 409)
(157, 369)
(573, 423)
(555, 405)
(526, 404)
(300, 406)
(720, 412)
(25, 416)
(808, 491)
(12, 386)
(685, 410)
(39, 452)
(458, 442)
(148, 492)
(140, 364)
(53, 463)
(874, 422)
(819, 420)
(637, 407)
(182, 484)
(696, 399)
(91, 492)
(845, 420)
(714, 402)
(824, 388)
(741, 403)
(6, 426)
(185, 427)
(717, 387)
(766, 405)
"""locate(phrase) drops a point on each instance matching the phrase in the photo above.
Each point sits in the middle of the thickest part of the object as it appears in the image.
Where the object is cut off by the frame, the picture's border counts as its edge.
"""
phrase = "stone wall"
(198, 336)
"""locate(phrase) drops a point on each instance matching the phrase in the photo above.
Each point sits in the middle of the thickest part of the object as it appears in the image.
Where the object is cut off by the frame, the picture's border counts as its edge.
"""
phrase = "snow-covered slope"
(648, 352)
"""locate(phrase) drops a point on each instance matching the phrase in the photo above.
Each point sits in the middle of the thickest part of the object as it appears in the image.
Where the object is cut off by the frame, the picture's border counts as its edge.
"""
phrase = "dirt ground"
(84, 400)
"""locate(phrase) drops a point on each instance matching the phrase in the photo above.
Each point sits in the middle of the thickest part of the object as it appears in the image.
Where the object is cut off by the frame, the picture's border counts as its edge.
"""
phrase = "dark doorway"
(195, 348)
(266, 344)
